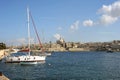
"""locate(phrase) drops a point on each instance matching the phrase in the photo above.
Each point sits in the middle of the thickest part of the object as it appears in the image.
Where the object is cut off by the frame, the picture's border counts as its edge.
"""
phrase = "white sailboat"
(24, 58)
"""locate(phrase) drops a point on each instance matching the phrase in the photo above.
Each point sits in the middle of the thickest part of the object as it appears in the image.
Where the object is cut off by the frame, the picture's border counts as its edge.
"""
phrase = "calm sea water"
(68, 66)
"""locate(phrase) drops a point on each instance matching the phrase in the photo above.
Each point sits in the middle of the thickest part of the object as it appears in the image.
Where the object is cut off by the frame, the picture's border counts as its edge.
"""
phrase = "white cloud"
(111, 10)
(88, 23)
(75, 26)
(106, 19)
(105, 9)
(57, 36)
(110, 13)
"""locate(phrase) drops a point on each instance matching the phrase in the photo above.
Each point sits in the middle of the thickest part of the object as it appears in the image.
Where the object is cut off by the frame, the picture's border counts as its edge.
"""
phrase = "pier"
(3, 77)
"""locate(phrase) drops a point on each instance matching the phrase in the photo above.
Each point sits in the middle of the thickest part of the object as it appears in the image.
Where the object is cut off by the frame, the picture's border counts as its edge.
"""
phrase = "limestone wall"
(78, 49)
(2, 52)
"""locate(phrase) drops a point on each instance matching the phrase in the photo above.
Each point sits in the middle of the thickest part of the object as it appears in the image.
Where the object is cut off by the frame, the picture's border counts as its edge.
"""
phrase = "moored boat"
(24, 57)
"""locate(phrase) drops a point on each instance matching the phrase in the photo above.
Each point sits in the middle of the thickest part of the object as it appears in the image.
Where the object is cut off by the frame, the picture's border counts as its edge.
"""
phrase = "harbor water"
(68, 66)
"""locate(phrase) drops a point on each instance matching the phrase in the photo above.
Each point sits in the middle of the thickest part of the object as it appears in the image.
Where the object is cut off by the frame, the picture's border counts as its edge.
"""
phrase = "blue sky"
(74, 20)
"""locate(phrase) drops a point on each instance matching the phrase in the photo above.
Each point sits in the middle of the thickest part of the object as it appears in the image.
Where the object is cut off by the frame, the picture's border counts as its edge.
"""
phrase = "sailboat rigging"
(40, 44)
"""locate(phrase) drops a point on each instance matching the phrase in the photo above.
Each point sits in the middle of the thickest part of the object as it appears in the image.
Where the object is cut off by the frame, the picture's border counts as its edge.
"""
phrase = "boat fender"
(11, 59)
(18, 58)
(34, 57)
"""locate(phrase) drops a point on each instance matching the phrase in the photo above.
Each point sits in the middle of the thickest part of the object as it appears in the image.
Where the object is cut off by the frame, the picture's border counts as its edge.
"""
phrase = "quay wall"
(4, 53)
(79, 49)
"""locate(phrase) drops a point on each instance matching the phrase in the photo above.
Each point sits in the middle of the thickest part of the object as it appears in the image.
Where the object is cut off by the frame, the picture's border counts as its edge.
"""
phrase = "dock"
(3, 77)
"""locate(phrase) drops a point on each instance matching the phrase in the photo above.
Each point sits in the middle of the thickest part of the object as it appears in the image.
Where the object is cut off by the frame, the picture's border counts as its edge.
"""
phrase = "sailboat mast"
(28, 22)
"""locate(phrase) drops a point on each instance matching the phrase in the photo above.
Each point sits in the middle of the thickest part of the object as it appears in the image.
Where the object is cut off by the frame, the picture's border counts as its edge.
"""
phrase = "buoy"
(49, 64)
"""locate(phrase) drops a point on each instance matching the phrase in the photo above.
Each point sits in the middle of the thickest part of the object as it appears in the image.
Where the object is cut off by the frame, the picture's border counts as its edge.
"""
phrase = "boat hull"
(31, 63)
(20, 59)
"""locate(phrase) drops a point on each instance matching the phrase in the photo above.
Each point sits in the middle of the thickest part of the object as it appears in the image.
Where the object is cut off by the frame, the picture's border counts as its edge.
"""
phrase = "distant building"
(60, 41)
